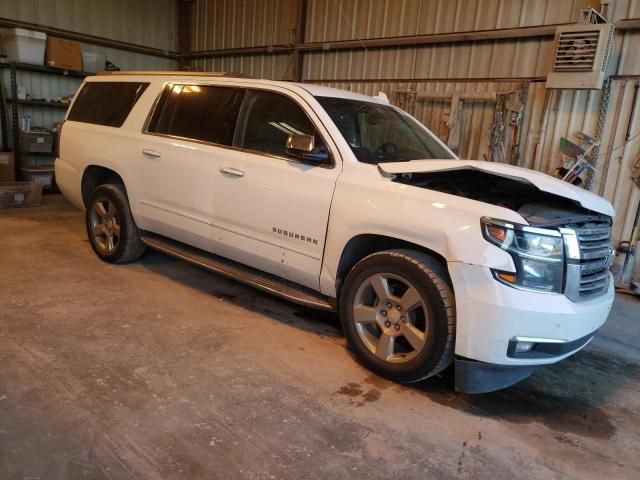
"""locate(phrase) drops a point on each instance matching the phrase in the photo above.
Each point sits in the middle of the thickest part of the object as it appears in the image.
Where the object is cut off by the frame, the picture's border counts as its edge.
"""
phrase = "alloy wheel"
(391, 317)
(105, 225)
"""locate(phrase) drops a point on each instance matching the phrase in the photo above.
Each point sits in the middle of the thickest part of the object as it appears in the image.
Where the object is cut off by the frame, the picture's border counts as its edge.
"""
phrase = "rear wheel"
(112, 231)
(397, 312)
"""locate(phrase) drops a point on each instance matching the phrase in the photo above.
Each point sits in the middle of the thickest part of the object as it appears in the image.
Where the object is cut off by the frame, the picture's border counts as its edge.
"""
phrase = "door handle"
(150, 153)
(232, 171)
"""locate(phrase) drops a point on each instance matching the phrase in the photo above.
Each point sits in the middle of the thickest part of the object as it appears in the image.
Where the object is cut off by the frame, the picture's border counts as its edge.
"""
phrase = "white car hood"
(541, 180)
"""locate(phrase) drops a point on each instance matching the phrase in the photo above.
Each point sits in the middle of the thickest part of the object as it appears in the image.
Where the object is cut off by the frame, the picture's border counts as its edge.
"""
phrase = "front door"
(270, 209)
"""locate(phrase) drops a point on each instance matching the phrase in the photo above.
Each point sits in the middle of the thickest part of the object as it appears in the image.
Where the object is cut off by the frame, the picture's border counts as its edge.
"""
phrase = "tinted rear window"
(199, 112)
(106, 103)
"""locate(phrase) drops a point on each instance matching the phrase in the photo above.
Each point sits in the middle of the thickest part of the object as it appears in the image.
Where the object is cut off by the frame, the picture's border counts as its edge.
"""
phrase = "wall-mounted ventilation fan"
(581, 56)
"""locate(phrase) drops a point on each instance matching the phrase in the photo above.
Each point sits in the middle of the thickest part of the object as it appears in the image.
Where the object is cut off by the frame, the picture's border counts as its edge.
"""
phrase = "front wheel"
(397, 312)
(112, 231)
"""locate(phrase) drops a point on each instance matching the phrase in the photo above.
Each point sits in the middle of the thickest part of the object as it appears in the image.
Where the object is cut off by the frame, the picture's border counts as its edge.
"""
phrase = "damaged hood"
(542, 181)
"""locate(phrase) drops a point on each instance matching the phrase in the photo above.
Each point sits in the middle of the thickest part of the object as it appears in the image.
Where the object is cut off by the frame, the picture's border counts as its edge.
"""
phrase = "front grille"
(588, 275)
(595, 252)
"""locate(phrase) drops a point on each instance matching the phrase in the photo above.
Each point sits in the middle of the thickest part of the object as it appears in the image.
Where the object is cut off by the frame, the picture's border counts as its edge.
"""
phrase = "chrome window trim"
(145, 127)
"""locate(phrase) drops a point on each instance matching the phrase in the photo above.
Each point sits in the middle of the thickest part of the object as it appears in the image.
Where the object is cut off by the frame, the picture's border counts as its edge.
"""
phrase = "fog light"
(522, 347)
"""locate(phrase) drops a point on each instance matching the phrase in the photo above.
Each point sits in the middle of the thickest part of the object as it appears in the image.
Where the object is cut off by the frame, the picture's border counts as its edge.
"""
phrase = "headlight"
(537, 253)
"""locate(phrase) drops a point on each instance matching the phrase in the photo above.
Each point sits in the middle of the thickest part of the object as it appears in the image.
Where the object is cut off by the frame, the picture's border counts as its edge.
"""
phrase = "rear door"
(184, 139)
(271, 209)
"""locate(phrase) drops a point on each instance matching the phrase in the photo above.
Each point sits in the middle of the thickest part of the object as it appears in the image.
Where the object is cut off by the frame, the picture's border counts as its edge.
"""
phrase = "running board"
(236, 271)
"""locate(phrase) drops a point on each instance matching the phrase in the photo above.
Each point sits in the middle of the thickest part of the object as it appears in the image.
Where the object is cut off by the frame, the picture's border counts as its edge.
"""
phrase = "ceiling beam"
(538, 31)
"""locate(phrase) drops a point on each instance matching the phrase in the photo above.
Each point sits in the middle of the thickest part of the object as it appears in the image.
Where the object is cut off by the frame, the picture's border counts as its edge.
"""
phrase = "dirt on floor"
(160, 370)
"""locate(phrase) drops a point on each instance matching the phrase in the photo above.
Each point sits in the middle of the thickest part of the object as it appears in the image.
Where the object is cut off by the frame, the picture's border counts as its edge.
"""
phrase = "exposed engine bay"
(537, 207)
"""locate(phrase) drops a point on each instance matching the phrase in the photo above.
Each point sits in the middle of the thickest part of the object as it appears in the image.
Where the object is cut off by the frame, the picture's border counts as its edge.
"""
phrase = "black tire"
(431, 280)
(128, 247)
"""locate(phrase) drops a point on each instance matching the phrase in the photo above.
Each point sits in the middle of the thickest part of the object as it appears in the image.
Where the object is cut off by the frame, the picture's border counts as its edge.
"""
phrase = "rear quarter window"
(106, 103)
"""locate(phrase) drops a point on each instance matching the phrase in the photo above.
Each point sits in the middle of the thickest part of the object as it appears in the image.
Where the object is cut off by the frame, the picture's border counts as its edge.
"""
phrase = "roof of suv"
(315, 90)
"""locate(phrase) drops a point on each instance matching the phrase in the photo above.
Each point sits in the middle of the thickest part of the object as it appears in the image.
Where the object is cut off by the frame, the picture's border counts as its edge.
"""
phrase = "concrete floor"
(158, 369)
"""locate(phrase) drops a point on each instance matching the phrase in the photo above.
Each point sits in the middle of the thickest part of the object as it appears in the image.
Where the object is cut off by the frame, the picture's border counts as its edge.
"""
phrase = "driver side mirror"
(303, 147)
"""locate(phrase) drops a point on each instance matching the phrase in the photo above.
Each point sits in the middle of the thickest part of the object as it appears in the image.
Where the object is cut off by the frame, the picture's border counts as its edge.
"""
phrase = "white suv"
(343, 202)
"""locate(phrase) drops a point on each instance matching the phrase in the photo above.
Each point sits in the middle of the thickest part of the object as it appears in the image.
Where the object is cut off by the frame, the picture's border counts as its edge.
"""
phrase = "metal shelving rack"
(16, 104)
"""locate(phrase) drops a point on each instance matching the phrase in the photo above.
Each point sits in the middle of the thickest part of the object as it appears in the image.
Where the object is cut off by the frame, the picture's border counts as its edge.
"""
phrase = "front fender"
(445, 224)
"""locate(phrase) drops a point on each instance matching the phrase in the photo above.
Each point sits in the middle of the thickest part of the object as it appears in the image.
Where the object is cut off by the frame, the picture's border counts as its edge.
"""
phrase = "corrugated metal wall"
(617, 156)
(243, 23)
(626, 55)
(330, 20)
(145, 22)
(274, 66)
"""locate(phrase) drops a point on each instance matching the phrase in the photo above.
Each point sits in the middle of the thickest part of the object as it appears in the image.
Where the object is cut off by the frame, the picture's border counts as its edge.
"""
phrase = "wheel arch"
(364, 245)
(95, 175)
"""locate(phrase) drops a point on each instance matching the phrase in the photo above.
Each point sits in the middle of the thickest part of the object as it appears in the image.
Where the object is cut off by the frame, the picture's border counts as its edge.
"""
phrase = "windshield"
(379, 133)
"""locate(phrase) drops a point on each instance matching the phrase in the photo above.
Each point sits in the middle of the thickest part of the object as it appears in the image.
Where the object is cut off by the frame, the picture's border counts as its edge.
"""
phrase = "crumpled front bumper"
(472, 376)
(492, 317)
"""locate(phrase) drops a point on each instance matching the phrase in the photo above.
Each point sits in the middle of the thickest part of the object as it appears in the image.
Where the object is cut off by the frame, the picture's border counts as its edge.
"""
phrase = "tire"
(112, 232)
(418, 313)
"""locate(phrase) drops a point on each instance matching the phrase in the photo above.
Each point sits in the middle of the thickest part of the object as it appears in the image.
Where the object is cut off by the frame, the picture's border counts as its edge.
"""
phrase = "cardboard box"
(64, 54)
(7, 167)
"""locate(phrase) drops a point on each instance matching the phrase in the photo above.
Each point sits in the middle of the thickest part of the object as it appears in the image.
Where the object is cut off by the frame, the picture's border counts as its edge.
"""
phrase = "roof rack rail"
(175, 72)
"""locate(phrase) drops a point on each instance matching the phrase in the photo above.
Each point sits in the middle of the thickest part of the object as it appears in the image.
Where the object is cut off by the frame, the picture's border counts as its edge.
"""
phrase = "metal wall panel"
(618, 153)
(145, 22)
(490, 59)
(242, 23)
(330, 20)
(274, 66)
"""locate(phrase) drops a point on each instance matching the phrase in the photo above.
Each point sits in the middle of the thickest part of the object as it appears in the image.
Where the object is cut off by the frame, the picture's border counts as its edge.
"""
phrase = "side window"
(106, 103)
(266, 121)
(199, 112)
